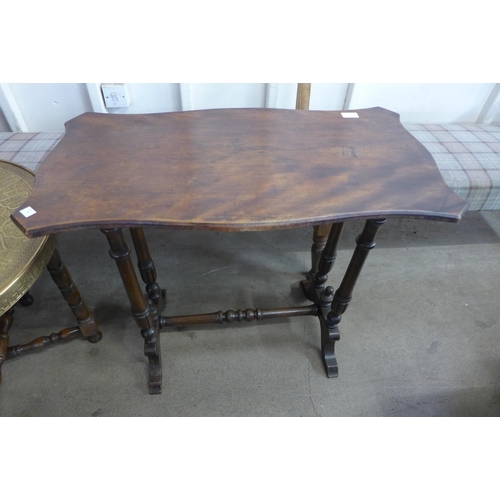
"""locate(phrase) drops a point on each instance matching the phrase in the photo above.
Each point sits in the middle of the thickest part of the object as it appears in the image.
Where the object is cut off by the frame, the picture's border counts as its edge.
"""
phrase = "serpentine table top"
(235, 170)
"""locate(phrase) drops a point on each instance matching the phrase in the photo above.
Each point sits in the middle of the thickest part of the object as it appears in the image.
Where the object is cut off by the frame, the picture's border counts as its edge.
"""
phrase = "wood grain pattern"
(235, 170)
(303, 96)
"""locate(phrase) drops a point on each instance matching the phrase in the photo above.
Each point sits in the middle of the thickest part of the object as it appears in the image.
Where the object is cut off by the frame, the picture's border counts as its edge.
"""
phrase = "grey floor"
(421, 337)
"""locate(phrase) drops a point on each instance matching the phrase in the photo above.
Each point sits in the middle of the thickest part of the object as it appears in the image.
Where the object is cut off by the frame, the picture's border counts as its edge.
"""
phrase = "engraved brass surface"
(22, 260)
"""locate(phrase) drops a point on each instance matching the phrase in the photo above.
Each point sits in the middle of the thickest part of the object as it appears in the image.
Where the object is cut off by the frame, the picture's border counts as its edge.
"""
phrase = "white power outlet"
(115, 95)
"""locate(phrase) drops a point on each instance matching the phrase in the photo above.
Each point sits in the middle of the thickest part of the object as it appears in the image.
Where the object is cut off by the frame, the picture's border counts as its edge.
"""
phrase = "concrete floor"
(421, 336)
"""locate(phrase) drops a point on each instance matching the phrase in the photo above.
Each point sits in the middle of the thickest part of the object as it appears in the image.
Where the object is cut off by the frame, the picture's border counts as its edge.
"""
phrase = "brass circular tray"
(22, 260)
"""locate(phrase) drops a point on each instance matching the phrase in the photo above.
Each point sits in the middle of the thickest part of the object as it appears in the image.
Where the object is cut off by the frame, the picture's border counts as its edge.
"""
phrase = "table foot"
(153, 352)
(96, 338)
(328, 339)
(26, 300)
(323, 299)
(152, 349)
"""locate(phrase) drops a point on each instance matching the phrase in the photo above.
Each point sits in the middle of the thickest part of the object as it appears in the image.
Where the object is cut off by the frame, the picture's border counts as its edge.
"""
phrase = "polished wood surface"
(235, 170)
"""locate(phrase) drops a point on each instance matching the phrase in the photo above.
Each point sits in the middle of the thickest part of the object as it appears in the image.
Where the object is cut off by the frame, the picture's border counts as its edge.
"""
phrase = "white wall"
(46, 106)
(223, 95)
(39, 107)
(4, 124)
(328, 95)
(152, 98)
(425, 103)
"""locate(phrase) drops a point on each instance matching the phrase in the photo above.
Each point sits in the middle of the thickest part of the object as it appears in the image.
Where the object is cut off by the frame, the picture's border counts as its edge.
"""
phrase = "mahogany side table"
(236, 170)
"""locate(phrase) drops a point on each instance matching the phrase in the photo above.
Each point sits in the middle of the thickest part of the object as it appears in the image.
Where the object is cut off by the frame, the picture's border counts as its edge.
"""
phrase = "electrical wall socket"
(115, 95)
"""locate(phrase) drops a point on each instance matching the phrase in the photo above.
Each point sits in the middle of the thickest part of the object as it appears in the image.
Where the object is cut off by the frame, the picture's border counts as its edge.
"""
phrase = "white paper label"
(28, 212)
(350, 115)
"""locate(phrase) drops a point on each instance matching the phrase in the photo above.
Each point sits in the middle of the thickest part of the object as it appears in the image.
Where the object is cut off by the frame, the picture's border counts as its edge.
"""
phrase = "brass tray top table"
(235, 170)
(22, 262)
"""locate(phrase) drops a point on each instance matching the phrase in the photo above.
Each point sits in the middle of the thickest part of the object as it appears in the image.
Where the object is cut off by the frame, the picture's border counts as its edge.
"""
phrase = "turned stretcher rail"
(240, 315)
(41, 342)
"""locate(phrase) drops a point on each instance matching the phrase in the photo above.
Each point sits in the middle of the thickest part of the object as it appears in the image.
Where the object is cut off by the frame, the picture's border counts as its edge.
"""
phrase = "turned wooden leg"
(313, 286)
(5, 323)
(61, 277)
(149, 325)
(26, 300)
(320, 237)
(328, 256)
(340, 302)
(145, 264)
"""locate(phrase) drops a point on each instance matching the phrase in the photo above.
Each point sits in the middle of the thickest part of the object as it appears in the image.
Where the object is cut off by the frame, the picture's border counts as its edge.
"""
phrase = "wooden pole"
(303, 95)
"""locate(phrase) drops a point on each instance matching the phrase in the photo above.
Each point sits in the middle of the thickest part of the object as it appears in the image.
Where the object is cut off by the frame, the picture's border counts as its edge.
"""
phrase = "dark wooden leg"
(365, 242)
(5, 323)
(26, 300)
(61, 277)
(320, 236)
(332, 305)
(146, 264)
(315, 291)
(328, 256)
(149, 324)
(316, 283)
